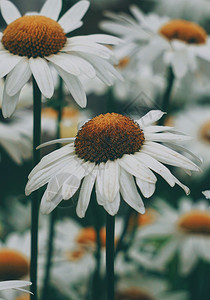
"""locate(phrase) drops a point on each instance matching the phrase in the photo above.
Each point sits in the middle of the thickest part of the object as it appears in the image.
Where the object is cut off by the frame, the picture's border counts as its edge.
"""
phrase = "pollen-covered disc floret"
(195, 222)
(34, 36)
(108, 137)
(13, 265)
(185, 31)
(205, 132)
(133, 294)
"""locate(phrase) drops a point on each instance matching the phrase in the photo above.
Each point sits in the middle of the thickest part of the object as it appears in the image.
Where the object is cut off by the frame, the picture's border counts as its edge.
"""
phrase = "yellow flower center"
(23, 297)
(33, 36)
(87, 236)
(186, 31)
(204, 132)
(13, 265)
(123, 62)
(108, 137)
(133, 294)
(195, 222)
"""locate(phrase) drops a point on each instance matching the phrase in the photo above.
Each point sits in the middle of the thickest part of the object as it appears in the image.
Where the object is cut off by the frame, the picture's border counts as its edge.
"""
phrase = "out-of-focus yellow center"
(23, 297)
(69, 122)
(204, 132)
(123, 62)
(133, 294)
(34, 36)
(108, 137)
(183, 30)
(87, 236)
(13, 264)
(195, 222)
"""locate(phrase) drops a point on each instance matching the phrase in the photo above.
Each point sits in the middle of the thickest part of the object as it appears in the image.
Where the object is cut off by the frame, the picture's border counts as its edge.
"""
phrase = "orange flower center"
(123, 62)
(186, 31)
(108, 137)
(195, 222)
(13, 265)
(23, 297)
(33, 36)
(204, 132)
(87, 236)
(133, 294)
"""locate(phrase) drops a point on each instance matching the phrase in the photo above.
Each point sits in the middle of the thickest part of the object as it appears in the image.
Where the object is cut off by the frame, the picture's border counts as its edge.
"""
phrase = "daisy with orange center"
(31, 43)
(112, 154)
(179, 42)
(187, 232)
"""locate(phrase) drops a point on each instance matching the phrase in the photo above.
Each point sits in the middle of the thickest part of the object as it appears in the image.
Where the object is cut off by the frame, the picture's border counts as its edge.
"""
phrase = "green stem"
(110, 225)
(167, 94)
(96, 282)
(110, 104)
(124, 231)
(53, 215)
(35, 195)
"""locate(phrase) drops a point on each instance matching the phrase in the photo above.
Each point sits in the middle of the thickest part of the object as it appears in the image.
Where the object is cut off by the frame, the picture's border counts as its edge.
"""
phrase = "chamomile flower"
(180, 43)
(110, 151)
(186, 232)
(16, 136)
(32, 42)
(195, 122)
(187, 9)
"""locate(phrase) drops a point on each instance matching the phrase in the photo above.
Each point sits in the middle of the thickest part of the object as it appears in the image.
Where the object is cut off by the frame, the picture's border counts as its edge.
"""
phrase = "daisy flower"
(186, 232)
(31, 43)
(195, 122)
(110, 151)
(186, 9)
(179, 42)
(16, 136)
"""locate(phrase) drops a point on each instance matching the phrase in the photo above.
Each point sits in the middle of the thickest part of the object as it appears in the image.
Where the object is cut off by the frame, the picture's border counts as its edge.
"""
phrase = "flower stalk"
(53, 216)
(36, 194)
(110, 229)
(167, 94)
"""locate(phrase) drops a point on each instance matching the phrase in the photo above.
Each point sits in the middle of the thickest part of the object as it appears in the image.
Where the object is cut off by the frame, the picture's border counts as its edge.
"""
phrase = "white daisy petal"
(157, 167)
(9, 11)
(168, 156)
(75, 87)
(46, 206)
(146, 188)
(206, 194)
(85, 193)
(74, 177)
(110, 177)
(184, 187)
(188, 256)
(130, 164)
(65, 62)
(97, 38)
(129, 192)
(18, 77)
(13, 284)
(151, 117)
(51, 158)
(56, 141)
(42, 75)
(73, 16)
(112, 207)
(51, 9)
(8, 61)
(9, 104)
(166, 137)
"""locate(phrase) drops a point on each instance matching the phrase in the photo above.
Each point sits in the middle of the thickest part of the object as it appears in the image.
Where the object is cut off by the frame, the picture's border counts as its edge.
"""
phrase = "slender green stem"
(96, 280)
(53, 215)
(110, 104)
(167, 94)
(124, 231)
(110, 225)
(35, 195)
